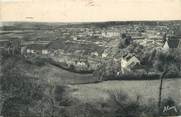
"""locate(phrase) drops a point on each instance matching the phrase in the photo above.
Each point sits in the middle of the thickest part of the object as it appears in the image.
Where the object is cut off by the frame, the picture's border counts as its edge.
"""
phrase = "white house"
(172, 44)
(23, 50)
(166, 46)
(32, 51)
(110, 34)
(36, 49)
(28, 51)
(80, 63)
(128, 62)
(44, 51)
(94, 54)
(74, 38)
(104, 55)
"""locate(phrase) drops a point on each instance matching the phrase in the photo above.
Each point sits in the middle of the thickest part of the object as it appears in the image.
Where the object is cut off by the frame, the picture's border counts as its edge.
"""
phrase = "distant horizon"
(79, 22)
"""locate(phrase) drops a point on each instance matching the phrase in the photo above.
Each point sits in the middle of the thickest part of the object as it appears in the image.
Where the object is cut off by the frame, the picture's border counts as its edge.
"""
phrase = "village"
(87, 69)
(84, 47)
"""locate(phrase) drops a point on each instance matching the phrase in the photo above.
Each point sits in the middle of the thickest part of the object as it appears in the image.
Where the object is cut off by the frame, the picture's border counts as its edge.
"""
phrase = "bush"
(125, 107)
(83, 110)
(26, 96)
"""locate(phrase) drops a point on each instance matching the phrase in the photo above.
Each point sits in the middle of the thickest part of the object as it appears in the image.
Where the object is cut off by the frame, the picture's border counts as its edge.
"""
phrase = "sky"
(89, 10)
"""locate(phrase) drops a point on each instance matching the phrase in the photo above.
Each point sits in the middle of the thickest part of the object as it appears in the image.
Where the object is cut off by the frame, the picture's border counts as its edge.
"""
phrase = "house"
(74, 38)
(172, 45)
(95, 54)
(128, 62)
(81, 63)
(44, 52)
(4, 43)
(35, 49)
(110, 34)
(104, 55)
(23, 50)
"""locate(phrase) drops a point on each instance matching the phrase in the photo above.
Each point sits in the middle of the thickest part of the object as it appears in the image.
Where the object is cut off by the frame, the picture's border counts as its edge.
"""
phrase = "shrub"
(83, 110)
(125, 107)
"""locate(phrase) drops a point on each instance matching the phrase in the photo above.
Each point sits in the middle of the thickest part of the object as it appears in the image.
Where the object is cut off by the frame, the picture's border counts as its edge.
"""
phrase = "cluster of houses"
(110, 34)
(172, 43)
(25, 49)
(90, 32)
(39, 49)
(127, 62)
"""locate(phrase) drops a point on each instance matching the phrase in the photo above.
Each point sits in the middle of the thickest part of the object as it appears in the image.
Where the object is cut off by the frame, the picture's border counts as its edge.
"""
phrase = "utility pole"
(160, 90)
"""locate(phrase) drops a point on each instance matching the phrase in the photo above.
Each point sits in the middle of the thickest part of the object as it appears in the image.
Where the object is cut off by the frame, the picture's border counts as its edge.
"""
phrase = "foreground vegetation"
(28, 94)
(41, 88)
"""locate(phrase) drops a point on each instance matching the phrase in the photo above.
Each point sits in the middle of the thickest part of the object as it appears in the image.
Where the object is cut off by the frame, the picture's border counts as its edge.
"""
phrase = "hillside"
(49, 72)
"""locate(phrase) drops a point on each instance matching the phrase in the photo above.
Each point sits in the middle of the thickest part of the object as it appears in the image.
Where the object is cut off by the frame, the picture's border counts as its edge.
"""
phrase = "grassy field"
(56, 75)
(146, 90)
(84, 87)
(87, 90)
(60, 76)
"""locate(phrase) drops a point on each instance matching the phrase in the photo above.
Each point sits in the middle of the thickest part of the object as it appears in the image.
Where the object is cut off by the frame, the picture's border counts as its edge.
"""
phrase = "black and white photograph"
(110, 68)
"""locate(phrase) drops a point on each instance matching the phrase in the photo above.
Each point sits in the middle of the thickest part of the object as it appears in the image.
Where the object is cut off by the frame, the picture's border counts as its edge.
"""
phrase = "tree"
(107, 70)
(15, 47)
(163, 63)
(123, 36)
(128, 40)
(177, 30)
